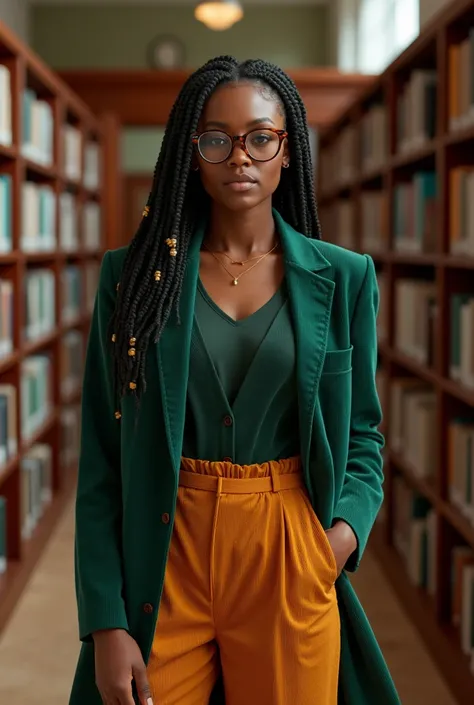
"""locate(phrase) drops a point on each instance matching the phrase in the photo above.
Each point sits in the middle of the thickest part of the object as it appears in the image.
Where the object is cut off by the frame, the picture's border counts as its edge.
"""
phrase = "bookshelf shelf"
(58, 195)
(414, 214)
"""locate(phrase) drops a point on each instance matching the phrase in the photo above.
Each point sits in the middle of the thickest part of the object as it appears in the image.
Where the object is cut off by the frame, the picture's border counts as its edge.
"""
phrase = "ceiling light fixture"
(219, 14)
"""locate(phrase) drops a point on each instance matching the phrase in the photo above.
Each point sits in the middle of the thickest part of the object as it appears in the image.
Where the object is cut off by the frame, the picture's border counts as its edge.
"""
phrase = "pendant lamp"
(219, 14)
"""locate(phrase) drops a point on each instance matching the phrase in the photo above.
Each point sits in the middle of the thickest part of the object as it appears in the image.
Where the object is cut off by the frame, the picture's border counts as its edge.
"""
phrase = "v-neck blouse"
(242, 394)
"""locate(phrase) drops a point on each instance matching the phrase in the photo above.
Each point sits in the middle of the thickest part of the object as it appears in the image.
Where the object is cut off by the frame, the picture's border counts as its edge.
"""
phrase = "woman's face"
(236, 109)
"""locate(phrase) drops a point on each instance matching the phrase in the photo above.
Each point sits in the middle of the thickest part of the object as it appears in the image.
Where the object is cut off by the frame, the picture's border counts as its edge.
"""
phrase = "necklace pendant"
(235, 282)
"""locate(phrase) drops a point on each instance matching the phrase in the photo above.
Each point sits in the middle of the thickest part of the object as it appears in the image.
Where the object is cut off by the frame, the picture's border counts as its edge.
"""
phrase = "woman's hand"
(343, 542)
(118, 661)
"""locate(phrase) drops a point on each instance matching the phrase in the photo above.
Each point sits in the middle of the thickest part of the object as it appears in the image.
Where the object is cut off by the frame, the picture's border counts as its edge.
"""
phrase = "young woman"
(231, 465)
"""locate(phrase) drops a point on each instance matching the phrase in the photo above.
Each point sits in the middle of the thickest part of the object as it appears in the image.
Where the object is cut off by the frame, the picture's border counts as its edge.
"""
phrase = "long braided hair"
(152, 275)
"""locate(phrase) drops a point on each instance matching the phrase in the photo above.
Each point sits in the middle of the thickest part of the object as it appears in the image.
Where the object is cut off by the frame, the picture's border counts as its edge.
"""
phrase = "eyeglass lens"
(261, 145)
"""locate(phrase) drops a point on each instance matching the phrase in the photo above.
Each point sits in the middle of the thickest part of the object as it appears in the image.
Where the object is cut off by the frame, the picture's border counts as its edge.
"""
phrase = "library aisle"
(39, 670)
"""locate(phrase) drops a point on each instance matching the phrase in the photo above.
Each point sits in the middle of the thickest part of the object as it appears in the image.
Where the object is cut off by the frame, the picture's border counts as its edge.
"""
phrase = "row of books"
(461, 88)
(38, 219)
(461, 364)
(414, 535)
(460, 470)
(338, 224)
(338, 162)
(415, 532)
(81, 158)
(36, 392)
(416, 312)
(6, 317)
(72, 358)
(40, 300)
(374, 220)
(414, 216)
(412, 422)
(416, 110)
(37, 479)
(374, 142)
(461, 193)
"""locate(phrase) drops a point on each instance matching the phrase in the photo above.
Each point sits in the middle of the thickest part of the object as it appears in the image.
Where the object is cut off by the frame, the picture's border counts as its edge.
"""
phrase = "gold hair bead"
(146, 210)
(114, 338)
(118, 415)
(157, 276)
(132, 352)
(132, 385)
(133, 341)
(173, 252)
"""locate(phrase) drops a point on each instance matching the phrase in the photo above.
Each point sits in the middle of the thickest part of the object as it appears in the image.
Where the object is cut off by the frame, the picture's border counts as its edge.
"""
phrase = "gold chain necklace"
(235, 279)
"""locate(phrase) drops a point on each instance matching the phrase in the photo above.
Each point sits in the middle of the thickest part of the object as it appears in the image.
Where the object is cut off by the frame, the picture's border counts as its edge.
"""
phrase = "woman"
(231, 464)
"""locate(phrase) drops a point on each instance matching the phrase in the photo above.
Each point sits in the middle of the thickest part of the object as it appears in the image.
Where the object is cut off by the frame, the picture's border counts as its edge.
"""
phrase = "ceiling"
(138, 3)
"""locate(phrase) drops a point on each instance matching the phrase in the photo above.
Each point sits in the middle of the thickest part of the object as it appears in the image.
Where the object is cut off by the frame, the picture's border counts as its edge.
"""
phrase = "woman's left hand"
(343, 542)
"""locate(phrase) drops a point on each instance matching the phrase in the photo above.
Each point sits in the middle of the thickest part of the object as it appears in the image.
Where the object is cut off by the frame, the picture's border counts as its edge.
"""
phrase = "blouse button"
(148, 608)
(228, 421)
(165, 518)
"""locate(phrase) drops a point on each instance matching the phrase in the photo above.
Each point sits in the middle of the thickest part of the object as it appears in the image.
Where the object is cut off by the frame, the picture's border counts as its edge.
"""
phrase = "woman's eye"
(260, 139)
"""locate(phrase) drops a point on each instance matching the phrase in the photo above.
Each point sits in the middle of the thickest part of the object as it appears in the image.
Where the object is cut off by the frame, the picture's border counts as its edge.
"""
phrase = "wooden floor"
(39, 647)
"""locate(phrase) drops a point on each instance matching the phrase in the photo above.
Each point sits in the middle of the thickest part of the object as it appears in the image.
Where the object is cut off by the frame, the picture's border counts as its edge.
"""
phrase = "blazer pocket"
(337, 361)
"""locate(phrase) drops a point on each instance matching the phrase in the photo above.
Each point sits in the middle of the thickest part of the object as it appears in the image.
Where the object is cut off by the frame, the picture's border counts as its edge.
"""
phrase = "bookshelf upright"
(52, 227)
(397, 181)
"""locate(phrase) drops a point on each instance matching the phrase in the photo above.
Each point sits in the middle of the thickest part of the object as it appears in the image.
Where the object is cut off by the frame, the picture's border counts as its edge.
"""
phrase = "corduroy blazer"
(128, 471)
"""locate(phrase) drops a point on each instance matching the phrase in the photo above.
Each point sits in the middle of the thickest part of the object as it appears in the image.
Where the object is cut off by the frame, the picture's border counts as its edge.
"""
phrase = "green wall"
(117, 36)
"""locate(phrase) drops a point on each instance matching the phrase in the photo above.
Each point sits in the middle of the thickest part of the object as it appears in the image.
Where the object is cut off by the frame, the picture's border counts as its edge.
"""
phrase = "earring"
(285, 166)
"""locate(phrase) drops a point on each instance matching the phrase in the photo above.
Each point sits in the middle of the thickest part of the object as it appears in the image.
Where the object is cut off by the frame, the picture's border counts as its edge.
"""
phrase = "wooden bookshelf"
(368, 158)
(18, 262)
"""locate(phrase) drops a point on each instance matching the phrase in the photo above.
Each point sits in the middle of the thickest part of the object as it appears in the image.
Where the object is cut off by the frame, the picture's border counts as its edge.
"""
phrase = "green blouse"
(242, 395)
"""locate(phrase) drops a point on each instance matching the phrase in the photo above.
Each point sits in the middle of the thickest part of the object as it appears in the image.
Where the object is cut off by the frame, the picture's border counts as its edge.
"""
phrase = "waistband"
(229, 478)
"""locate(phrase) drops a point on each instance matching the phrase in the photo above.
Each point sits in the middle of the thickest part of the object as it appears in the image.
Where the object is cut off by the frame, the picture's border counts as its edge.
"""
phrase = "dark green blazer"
(128, 474)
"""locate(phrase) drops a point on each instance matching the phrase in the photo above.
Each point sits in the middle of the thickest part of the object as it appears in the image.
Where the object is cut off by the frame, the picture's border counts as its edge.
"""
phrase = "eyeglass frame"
(281, 134)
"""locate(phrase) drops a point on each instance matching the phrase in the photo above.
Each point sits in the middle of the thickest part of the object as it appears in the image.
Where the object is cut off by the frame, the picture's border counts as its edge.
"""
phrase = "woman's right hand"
(118, 662)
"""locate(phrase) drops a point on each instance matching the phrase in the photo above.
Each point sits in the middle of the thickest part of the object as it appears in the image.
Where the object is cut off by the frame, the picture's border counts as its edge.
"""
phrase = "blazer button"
(148, 608)
(165, 518)
(228, 421)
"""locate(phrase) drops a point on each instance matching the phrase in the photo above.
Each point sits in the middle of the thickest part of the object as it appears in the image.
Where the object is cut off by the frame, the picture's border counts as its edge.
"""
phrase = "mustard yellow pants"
(249, 589)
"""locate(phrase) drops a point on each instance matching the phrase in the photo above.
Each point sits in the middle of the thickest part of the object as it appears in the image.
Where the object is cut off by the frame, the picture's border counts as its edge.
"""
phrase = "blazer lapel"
(311, 295)
(173, 352)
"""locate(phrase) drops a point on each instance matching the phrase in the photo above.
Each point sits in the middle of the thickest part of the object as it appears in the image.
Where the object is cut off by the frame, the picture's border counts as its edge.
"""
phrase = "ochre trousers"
(249, 589)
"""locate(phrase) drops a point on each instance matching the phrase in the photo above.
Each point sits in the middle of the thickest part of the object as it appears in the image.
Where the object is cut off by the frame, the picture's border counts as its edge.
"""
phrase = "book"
(36, 486)
(374, 221)
(38, 218)
(460, 466)
(414, 213)
(37, 129)
(40, 314)
(5, 106)
(72, 357)
(92, 226)
(72, 153)
(412, 420)
(416, 110)
(70, 422)
(461, 363)
(36, 393)
(6, 317)
(416, 311)
(6, 231)
(461, 210)
(68, 222)
(374, 138)
(92, 166)
(461, 83)
(8, 423)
